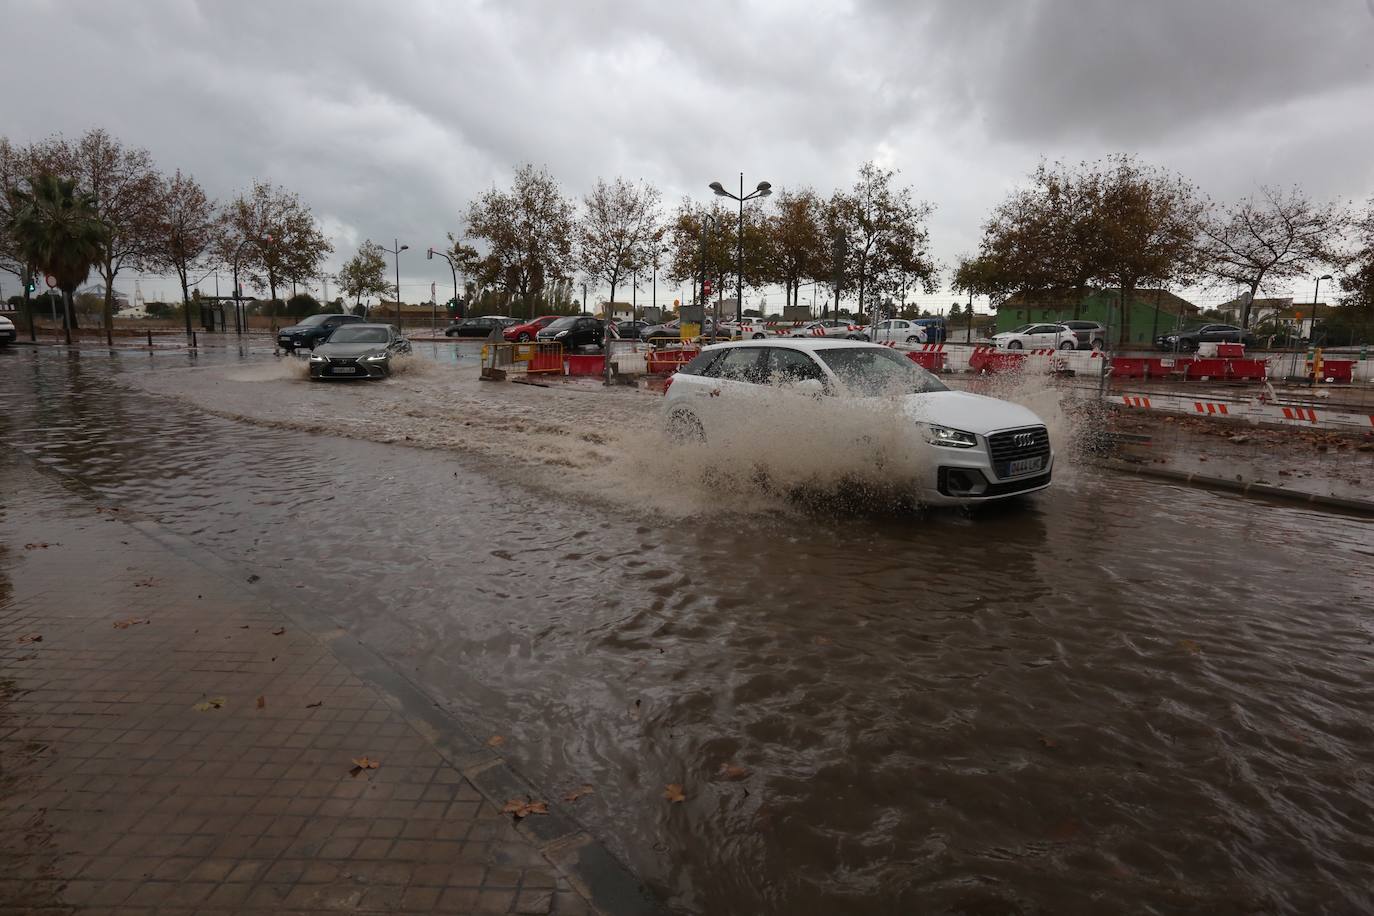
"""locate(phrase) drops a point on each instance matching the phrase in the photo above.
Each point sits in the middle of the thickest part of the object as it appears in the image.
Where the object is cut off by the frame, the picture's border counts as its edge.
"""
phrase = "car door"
(738, 375)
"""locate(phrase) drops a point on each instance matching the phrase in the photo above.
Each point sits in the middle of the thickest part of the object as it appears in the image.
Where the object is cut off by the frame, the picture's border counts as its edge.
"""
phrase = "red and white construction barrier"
(1252, 410)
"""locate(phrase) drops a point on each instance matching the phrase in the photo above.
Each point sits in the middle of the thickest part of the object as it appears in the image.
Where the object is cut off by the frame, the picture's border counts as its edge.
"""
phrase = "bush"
(301, 305)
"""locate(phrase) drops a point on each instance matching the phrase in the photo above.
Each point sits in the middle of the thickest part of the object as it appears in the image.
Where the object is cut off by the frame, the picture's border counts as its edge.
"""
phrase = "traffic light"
(706, 289)
(30, 286)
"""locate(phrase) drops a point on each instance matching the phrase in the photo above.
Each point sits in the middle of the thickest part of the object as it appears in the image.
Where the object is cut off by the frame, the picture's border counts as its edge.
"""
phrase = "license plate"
(345, 370)
(1024, 466)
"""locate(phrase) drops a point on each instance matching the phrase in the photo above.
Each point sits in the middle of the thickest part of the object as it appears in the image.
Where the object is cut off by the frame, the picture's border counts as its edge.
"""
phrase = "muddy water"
(1118, 696)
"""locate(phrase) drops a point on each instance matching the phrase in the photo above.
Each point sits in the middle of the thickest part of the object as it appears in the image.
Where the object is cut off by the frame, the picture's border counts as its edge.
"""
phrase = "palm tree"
(56, 230)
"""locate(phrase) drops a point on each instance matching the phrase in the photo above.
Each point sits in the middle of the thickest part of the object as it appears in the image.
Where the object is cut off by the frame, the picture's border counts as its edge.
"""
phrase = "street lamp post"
(1312, 337)
(763, 190)
(452, 267)
(395, 251)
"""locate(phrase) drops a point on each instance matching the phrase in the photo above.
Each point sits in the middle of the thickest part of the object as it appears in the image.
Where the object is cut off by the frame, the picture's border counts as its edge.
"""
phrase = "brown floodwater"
(1115, 696)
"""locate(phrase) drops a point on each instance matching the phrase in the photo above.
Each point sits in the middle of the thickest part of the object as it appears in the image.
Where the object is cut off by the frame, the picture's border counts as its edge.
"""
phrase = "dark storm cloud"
(389, 117)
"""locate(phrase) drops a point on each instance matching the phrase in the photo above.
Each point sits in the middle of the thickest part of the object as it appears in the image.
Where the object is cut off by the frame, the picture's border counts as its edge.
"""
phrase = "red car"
(528, 330)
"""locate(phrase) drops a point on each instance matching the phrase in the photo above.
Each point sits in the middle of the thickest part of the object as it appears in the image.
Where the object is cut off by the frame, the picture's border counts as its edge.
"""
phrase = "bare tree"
(884, 233)
(529, 234)
(365, 273)
(16, 169)
(1271, 236)
(1357, 280)
(276, 237)
(126, 190)
(797, 241)
(187, 231)
(616, 234)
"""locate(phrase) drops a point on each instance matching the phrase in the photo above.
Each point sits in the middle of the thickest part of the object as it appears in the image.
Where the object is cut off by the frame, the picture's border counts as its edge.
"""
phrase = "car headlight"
(949, 438)
(316, 358)
(561, 334)
(375, 358)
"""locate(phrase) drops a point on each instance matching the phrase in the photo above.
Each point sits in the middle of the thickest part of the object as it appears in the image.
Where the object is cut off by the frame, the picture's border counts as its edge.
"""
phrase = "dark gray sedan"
(358, 351)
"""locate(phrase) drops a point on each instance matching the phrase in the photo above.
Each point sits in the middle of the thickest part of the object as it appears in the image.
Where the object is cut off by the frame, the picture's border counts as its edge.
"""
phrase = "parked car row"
(1187, 340)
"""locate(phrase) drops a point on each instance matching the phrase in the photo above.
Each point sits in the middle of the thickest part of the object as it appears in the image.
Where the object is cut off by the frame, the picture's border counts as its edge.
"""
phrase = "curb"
(1268, 491)
(608, 886)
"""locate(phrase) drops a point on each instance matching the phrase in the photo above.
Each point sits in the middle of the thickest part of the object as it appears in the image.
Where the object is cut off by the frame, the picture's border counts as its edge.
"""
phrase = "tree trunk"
(606, 336)
(186, 301)
(1127, 301)
(67, 315)
(108, 312)
(1249, 304)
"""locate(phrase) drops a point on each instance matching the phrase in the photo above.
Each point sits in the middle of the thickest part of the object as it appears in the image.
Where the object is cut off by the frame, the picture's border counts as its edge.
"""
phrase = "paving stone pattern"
(119, 795)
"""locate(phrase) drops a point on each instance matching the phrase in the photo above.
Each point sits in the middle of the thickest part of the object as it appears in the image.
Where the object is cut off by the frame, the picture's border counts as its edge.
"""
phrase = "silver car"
(358, 351)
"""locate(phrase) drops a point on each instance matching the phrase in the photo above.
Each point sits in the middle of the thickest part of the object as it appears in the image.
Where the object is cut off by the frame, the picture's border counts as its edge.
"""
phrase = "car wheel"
(1068, 345)
(684, 427)
(1014, 345)
(758, 336)
(523, 338)
(913, 340)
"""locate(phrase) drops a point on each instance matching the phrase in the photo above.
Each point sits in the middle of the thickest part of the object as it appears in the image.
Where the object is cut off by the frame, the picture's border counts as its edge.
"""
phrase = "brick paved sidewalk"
(202, 761)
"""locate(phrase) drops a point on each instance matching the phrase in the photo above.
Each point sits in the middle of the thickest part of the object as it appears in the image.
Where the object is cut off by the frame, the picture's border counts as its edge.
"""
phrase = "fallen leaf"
(733, 771)
(363, 763)
(132, 621)
(577, 793)
(524, 807)
(673, 792)
(822, 640)
(315, 704)
(262, 702)
(32, 637)
(278, 631)
(145, 583)
(1191, 647)
(1048, 741)
(209, 703)
(253, 578)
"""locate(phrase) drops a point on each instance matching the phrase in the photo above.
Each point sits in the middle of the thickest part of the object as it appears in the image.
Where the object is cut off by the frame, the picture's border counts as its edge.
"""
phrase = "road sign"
(50, 280)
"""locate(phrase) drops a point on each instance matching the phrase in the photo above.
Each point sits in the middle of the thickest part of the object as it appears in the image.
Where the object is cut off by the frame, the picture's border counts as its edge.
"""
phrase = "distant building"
(620, 311)
(1282, 311)
(1151, 310)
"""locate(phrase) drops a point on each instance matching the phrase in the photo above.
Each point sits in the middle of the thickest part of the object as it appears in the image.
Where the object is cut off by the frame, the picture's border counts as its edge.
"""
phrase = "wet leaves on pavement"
(673, 792)
(496, 740)
(733, 771)
(524, 807)
(278, 631)
(1189, 646)
(262, 702)
(209, 703)
(130, 622)
(31, 637)
(363, 763)
(315, 705)
(577, 793)
(1049, 742)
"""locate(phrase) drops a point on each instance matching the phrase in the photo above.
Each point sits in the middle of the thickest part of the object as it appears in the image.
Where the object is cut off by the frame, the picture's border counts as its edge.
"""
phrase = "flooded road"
(1116, 696)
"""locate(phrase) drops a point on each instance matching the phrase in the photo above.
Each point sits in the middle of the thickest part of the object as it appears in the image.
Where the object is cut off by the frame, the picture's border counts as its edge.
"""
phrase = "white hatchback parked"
(1036, 337)
(857, 405)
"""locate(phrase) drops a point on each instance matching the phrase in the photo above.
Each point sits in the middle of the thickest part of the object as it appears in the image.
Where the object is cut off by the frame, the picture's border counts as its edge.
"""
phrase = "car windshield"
(314, 320)
(561, 324)
(876, 371)
(358, 334)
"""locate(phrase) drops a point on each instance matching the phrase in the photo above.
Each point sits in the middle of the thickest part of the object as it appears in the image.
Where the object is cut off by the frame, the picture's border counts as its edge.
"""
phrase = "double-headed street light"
(396, 252)
(452, 267)
(763, 190)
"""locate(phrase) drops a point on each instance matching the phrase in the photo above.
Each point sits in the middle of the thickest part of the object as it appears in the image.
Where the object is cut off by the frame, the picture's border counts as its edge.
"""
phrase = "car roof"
(800, 343)
(374, 324)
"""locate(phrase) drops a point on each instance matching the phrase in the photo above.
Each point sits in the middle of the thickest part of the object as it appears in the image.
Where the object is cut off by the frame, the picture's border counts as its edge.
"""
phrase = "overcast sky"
(387, 118)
